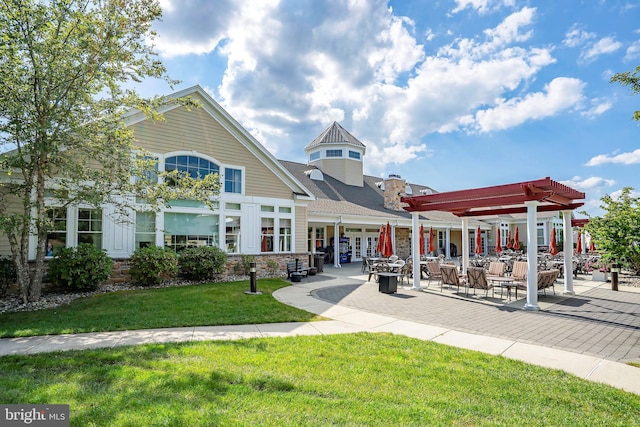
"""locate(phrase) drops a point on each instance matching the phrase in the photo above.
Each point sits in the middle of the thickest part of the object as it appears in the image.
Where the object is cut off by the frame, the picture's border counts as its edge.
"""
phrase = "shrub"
(202, 262)
(84, 267)
(8, 274)
(272, 266)
(246, 263)
(152, 265)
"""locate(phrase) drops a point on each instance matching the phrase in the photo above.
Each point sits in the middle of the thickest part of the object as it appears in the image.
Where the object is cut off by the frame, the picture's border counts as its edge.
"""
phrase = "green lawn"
(197, 305)
(352, 380)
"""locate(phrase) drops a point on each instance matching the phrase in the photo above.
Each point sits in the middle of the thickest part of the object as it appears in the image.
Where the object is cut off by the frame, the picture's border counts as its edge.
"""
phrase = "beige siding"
(346, 170)
(196, 130)
(13, 206)
(301, 229)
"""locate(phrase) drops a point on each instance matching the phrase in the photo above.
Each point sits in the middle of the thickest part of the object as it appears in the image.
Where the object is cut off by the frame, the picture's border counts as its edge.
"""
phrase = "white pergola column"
(336, 243)
(465, 244)
(447, 250)
(415, 249)
(567, 248)
(532, 256)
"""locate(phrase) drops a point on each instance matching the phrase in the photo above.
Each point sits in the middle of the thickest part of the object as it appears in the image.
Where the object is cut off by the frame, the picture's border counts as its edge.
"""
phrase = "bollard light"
(252, 280)
(615, 269)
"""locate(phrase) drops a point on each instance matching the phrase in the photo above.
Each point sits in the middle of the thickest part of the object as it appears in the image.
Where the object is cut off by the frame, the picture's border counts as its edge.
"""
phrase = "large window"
(196, 167)
(145, 229)
(57, 235)
(232, 180)
(541, 240)
(504, 235)
(285, 235)
(266, 238)
(183, 230)
(90, 227)
(232, 236)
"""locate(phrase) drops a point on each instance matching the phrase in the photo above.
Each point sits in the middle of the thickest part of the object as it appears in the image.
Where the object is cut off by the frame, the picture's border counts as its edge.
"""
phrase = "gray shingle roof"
(334, 134)
(337, 198)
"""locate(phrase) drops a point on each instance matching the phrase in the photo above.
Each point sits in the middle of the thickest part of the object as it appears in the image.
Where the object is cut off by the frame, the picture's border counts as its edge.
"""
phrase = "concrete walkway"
(589, 335)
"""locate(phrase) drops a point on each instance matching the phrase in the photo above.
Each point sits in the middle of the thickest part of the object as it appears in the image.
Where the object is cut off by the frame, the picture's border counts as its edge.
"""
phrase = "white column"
(415, 249)
(336, 244)
(532, 256)
(567, 248)
(447, 239)
(465, 244)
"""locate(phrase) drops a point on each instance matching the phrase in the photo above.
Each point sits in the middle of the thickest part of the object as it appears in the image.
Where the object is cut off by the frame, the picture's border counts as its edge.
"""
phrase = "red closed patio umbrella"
(509, 245)
(381, 239)
(388, 243)
(553, 245)
(498, 247)
(264, 246)
(579, 244)
(592, 246)
(478, 249)
(516, 241)
(421, 240)
(432, 246)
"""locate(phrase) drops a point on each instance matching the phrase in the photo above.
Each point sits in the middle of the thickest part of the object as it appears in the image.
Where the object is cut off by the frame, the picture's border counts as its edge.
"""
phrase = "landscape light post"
(252, 280)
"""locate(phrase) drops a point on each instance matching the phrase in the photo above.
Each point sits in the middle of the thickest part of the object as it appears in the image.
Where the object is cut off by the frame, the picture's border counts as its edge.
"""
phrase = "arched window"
(196, 167)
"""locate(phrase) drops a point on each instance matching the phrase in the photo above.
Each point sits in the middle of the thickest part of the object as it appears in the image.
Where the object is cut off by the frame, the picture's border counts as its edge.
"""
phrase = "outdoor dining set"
(506, 273)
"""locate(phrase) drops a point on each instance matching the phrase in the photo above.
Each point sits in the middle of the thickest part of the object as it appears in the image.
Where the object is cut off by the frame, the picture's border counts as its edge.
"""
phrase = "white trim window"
(145, 229)
(90, 226)
(285, 235)
(188, 230)
(232, 234)
(57, 235)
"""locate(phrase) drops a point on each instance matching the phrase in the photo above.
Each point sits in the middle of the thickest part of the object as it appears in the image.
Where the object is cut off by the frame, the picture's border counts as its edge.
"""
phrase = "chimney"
(394, 188)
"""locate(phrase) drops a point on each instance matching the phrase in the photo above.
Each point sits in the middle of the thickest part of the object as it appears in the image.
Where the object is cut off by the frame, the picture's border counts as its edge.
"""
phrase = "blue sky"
(453, 94)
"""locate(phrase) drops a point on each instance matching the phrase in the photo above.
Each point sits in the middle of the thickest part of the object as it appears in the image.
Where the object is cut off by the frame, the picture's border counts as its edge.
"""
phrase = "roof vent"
(426, 191)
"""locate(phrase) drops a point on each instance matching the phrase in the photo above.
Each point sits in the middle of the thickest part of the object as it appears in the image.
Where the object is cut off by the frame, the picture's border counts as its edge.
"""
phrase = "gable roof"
(334, 134)
(232, 126)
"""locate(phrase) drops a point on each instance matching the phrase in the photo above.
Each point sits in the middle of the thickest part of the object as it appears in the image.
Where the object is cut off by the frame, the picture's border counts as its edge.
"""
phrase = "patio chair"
(497, 268)
(477, 279)
(364, 264)
(450, 276)
(434, 273)
(546, 278)
(406, 271)
(519, 271)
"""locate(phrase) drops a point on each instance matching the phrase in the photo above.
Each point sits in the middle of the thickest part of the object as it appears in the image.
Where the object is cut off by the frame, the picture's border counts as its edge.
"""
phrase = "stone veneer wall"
(120, 270)
(403, 246)
(394, 188)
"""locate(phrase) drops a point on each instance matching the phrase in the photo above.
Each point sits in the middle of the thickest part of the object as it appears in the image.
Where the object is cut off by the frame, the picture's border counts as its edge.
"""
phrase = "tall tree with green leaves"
(617, 232)
(66, 72)
(631, 79)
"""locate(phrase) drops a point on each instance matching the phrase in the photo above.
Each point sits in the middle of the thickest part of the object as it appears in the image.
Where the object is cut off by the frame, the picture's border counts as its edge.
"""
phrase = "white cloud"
(633, 52)
(598, 106)
(601, 47)
(623, 158)
(482, 6)
(588, 183)
(576, 36)
(561, 94)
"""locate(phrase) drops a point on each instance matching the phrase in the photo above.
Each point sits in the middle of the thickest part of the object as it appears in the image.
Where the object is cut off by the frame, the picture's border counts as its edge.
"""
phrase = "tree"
(617, 233)
(63, 66)
(631, 79)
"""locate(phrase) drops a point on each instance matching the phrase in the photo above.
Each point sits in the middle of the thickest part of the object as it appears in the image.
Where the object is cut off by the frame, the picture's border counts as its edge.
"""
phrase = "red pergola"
(541, 195)
(500, 199)
(579, 222)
